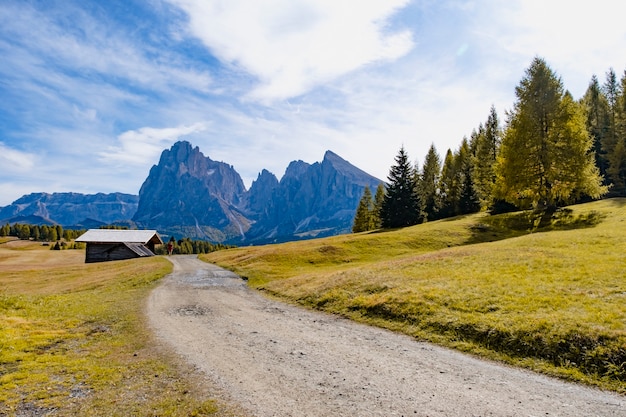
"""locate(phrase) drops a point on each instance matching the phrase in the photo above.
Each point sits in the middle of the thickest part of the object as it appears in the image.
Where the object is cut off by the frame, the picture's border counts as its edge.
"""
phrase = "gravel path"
(275, 359)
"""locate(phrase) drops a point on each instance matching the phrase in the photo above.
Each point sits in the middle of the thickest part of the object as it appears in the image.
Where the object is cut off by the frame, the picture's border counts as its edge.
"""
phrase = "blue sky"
(93, 91)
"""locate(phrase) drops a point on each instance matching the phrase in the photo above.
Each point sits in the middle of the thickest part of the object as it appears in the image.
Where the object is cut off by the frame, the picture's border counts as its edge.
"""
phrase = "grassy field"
(553, 299)
(73, 340)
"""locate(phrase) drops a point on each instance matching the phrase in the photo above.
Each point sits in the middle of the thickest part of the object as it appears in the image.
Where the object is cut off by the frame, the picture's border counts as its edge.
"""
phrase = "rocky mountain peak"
(295, 169)
(189, 195)
(346, 168)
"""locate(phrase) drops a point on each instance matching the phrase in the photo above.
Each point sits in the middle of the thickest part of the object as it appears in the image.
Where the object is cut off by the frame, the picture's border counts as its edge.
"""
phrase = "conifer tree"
(468, 198)
(487, 148)
(617, 168)
(52, 234)
(401, 206)
(429, 184)
(616, 171)
(379, 199)
(611, 92)
(546, 155)
(597, 109)
(363, 219)
(449, 187)
(621, 108)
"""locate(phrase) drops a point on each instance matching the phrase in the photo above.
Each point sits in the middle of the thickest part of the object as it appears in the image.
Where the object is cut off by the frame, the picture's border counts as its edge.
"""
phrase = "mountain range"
(189, 195)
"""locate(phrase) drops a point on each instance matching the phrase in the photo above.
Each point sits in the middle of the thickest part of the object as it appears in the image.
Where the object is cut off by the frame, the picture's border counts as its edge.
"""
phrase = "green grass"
(73, 340)
(551, 299)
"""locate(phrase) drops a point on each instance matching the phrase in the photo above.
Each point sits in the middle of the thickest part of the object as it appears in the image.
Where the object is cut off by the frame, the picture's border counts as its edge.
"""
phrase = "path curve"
(275, 359)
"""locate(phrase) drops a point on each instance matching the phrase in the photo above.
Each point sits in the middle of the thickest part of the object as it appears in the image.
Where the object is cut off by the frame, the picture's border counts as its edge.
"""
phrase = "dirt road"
(274, 359)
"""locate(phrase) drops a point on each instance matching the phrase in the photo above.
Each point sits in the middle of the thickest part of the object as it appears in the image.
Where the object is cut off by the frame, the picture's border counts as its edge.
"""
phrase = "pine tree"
(617, 168)
(616, 171)
(597, 107)
(487, 148)
(546, 155)
(449, 187)
(363, 220)
(429, 184)
(621, 108)
(468, 198)
(401, 206)
(611, 92)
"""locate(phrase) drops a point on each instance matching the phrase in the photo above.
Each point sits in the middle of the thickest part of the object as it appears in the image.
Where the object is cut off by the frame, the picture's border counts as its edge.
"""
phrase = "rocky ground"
(273, 359)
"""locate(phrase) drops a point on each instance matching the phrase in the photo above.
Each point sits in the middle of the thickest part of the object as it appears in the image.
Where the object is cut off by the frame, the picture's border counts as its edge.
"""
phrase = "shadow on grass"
(505, 226)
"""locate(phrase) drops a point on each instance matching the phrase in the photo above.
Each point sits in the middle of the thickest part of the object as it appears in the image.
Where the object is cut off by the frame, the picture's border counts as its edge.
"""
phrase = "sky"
(91, 92)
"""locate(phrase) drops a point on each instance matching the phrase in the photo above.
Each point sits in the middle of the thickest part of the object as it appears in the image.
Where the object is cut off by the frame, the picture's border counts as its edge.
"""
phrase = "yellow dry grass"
(552, 299)
(73, 340)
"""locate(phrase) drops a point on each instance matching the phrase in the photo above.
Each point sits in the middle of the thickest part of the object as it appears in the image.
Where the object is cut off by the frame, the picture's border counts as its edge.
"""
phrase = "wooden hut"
(114, 245)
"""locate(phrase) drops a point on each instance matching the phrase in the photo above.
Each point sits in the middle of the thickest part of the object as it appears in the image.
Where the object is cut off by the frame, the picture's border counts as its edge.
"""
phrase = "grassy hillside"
(73, 340)
(552, 299)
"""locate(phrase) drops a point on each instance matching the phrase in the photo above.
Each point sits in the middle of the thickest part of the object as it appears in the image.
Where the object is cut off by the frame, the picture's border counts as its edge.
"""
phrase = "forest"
(41, 233)
(551, 151)
(63, 238)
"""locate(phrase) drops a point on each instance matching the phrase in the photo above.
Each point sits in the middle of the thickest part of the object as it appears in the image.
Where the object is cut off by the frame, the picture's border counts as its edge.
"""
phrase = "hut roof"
(115, 235)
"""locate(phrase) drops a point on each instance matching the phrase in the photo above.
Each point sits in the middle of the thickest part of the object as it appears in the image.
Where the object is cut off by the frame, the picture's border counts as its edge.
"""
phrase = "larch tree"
(379, 199)
(401, 206)
(363, 220)
(546, 157)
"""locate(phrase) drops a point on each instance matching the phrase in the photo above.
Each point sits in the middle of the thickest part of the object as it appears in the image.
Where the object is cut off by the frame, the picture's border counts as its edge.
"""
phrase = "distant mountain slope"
(69, 209)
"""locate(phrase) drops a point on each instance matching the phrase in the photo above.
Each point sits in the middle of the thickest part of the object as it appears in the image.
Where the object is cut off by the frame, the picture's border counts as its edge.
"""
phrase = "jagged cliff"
(312, 200)
(189, 195)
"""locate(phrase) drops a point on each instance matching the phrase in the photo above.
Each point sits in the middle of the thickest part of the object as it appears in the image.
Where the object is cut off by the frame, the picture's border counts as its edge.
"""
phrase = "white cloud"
(577, 39)
(93, 46)
(12, 159)
(89, 115)
(143, 146)
(295, 45)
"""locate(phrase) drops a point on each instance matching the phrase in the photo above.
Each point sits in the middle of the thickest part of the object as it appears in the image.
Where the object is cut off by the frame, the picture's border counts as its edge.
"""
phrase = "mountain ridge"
(187, 194)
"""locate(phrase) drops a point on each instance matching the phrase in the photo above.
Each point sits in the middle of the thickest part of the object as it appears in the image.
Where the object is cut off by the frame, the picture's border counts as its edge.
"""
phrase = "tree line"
(63, 237)
(551, 151)
(40, 233)
(187, 246)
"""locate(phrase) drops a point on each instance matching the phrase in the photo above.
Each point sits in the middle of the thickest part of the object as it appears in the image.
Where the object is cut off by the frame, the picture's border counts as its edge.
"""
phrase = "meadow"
(549, 298)
(73, 339)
